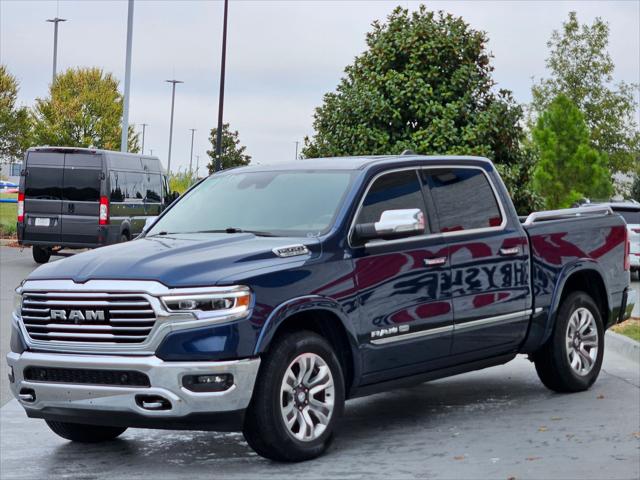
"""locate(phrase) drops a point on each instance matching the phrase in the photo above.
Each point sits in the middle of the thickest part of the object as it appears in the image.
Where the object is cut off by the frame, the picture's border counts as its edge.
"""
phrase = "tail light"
(627, 251)
(103, 218)
(20, 207)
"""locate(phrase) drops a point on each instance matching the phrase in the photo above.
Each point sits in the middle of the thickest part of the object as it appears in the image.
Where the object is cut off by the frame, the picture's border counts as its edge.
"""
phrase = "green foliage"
(635, 188)
(233, 154)
(84, 109)
(424, 83)
(180, 181)
(15, 123)
(581, 69)
(568, 168)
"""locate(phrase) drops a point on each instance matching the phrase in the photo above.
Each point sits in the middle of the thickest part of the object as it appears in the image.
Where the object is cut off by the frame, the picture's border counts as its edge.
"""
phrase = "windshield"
(286, 203)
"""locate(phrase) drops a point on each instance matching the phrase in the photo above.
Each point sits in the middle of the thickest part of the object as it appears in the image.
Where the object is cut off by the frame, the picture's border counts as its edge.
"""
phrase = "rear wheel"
(124, 237)
(85, 433)
(572, 358)
(298, 398)
(40, 254)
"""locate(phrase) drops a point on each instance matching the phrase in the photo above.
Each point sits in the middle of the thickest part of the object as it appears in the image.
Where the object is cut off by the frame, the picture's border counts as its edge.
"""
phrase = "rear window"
(81, 184)
(43, 183)
(463, 199)
(632, 217)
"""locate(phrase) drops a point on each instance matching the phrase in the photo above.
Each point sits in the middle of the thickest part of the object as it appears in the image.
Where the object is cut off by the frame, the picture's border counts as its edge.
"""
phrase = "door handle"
(509, 251)
(435, 262)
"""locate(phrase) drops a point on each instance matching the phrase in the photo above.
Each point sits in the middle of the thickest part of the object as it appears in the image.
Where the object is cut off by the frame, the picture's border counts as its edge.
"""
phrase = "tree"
(424, 83)
(635, 188)
(232, 152)
(582, 70)
(15, 125)
(568, 168)
(84, 109)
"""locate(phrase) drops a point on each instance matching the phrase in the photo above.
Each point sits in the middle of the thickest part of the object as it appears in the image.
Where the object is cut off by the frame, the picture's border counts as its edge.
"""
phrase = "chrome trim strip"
(498, 319)
(567, 212)
(462, 326)
(500, 227)
(408, 336)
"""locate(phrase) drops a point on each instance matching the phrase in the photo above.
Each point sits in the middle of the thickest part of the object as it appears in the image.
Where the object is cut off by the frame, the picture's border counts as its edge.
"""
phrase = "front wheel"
(297, 400)
(572, 358)
(40, 254)
(85, 433)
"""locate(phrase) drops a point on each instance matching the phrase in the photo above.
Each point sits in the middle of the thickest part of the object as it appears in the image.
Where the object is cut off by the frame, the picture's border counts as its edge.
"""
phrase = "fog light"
(208, 383)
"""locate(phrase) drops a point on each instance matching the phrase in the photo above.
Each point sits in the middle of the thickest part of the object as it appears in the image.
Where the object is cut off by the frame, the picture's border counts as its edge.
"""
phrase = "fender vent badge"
(291, 251)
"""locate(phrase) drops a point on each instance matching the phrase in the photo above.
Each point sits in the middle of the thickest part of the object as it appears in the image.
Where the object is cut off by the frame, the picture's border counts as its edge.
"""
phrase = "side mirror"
(393, 224)
(148, 223)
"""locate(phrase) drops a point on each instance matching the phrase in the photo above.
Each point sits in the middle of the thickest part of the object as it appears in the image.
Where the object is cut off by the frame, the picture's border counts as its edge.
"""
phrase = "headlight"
(232, 301)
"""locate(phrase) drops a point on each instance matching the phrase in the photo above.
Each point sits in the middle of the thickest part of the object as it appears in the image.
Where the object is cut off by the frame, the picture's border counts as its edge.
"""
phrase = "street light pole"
(297, 142)
(197, 165)
(173, 99)
(55, 22)
(144, 127)
(124, 139)
(221, 99)
(193, 131)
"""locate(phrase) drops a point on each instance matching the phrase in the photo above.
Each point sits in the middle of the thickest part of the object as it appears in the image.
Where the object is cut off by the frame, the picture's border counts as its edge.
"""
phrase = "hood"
(185, 260)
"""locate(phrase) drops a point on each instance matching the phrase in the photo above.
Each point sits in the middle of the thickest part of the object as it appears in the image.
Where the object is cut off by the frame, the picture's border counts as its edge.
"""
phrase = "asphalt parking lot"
(496, 423)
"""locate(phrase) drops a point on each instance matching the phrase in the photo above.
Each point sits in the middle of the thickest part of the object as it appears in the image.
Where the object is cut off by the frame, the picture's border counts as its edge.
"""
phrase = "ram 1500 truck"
(267, 296)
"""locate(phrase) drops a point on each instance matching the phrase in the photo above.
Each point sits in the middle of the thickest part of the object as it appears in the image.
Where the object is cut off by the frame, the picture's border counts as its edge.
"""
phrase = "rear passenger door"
(81, 198)
(405, 302)
(489, 260)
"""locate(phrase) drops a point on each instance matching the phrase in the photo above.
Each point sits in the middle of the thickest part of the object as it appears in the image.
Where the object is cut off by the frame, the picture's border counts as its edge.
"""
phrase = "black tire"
(40, 254)
(552, 361)
(264, 427)
(124, 237)
(85, 433)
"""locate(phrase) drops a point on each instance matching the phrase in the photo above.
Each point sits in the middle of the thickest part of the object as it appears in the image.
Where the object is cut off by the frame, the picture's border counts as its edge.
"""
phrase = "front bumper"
(121, 405)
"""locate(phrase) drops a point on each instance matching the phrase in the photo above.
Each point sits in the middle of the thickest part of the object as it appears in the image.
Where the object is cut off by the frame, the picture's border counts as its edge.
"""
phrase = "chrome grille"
(127, 318)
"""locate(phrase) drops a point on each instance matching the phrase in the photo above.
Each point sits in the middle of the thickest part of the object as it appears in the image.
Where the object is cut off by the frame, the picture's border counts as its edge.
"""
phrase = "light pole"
(197, 165)
(55, 22)
(124, 139)
(144, 127)
(173, 99)
(193, 130)
(221, 99)
(297, 142)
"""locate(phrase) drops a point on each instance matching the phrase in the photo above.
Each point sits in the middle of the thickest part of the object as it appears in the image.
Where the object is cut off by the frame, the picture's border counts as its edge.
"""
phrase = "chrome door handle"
(152, 405)
(435, 262)
(510, 251)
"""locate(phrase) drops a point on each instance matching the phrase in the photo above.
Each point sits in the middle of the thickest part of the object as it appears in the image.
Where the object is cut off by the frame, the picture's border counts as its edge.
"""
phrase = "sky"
(282, 57)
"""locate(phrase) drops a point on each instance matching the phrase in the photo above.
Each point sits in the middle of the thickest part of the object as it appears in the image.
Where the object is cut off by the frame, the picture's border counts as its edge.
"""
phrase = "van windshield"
(285, 203)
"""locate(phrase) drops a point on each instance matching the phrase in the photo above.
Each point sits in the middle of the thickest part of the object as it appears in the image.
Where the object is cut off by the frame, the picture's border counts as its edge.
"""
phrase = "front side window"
(154, 188)
(392, 191)
(463, 199)
(279, 203)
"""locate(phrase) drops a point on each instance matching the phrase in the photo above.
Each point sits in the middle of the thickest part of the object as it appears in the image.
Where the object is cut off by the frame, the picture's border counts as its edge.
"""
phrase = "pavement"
(495, 423)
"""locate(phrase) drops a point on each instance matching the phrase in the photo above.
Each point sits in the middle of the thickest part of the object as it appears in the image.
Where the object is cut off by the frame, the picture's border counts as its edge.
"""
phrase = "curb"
(622, 345)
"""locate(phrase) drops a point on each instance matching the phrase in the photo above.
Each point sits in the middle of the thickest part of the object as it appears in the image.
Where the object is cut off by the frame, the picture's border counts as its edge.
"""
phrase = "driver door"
(404, 294)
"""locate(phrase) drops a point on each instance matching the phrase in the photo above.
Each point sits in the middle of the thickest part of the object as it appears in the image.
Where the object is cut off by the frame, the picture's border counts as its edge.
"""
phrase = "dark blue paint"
(366, 289)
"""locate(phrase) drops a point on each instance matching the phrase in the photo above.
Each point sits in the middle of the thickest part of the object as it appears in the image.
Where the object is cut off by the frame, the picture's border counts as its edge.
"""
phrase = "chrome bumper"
(165, 379)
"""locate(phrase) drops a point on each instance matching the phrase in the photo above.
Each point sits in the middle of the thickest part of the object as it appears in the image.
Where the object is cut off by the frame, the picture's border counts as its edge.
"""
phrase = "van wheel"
(572, 358)
(297, 400)
(124, 237)
(85, 433)
(40, 254)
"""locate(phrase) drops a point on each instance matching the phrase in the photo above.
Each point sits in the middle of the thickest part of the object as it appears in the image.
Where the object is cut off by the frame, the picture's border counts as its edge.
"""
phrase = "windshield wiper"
(257, 233)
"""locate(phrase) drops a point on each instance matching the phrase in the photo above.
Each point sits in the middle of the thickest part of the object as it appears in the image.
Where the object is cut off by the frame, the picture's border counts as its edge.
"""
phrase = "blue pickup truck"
(267, 296)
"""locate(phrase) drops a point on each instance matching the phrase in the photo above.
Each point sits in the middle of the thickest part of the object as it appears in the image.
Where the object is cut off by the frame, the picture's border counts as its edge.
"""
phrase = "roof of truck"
(359, 162)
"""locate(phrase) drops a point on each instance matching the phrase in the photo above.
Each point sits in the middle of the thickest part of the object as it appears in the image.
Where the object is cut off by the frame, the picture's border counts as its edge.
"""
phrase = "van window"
(463, 198)
(391, 191)
(135, 188)
(154, 188)
(43, 183)
(81, 184)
